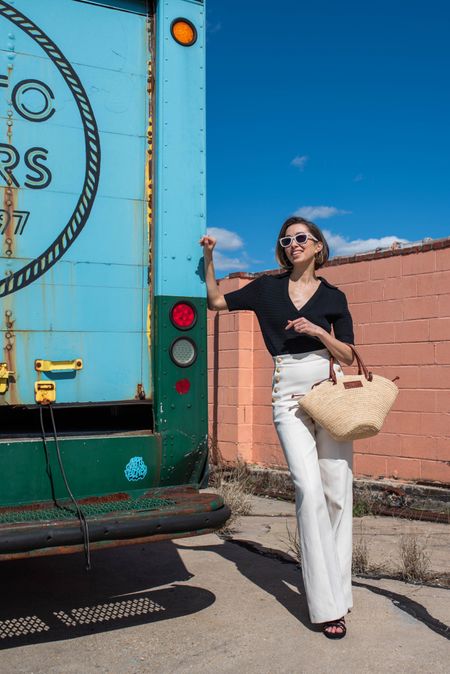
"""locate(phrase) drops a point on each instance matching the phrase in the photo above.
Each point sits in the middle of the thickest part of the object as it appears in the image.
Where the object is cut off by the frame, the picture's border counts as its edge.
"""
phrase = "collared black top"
(268, 297)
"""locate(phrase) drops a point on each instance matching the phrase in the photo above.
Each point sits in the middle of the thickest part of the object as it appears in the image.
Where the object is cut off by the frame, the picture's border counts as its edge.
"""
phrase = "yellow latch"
(4, 377)
(57, 365)
(45, 392)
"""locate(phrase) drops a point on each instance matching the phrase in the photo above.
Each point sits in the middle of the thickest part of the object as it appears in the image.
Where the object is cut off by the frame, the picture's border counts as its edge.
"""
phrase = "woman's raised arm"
(216, 300)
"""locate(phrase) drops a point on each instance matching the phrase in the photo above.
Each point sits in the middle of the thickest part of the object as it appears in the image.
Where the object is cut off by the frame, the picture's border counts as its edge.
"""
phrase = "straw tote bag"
(353, 406)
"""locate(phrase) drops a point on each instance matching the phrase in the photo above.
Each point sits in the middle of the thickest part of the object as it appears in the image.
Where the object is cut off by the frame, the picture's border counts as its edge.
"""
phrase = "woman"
(296, 310)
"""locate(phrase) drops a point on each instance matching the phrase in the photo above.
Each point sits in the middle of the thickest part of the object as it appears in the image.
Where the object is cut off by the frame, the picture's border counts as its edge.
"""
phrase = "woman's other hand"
(305, 327)
(340, 350)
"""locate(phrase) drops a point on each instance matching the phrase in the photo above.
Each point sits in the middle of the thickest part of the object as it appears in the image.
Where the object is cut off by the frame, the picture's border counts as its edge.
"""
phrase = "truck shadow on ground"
(48, 599)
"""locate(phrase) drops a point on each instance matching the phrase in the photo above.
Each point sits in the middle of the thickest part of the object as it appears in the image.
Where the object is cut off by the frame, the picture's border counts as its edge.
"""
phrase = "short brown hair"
(280, 253)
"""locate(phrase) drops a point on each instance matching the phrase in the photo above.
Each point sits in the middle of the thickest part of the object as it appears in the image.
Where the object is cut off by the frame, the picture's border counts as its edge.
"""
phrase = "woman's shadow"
(273, 571)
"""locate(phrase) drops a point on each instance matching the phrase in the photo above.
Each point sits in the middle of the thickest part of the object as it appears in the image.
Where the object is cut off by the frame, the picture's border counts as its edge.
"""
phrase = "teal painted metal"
(181, 419)
(94, 467)
(89, 268)
(73, 277)
(180, 154)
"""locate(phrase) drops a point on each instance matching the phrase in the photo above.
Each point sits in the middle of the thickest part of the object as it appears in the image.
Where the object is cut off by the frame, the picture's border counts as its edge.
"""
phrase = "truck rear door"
(74, 111)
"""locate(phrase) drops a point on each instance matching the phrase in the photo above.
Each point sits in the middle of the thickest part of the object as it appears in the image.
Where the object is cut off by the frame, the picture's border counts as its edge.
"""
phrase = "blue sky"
(336, 110)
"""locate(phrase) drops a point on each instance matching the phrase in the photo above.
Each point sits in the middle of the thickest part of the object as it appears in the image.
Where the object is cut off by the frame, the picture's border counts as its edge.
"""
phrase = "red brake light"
(183, 315)
(182, 386)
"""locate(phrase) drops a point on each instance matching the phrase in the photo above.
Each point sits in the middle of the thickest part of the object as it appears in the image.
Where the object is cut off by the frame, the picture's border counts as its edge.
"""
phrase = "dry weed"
(364, 502)
(234, 484)
(237, 499)
(414, 560)
(360, 556)
(293, 543)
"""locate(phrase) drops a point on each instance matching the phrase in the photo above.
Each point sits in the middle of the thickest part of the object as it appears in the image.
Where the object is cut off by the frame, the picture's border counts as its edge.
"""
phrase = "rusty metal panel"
(74, 115)
(138, 6)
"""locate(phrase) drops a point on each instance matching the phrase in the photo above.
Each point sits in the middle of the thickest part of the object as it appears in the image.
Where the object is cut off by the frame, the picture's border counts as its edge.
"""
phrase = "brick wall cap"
(397, 248)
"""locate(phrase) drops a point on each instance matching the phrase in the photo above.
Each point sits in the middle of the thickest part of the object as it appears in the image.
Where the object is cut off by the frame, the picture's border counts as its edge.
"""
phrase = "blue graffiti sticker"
(135, 469)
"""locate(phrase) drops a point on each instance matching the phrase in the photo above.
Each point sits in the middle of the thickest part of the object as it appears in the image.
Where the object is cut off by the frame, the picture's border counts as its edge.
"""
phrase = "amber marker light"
(183, 32)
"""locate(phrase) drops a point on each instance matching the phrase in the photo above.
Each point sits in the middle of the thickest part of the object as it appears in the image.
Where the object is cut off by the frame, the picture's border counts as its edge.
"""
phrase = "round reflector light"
(184, 32)
(183, 315)
(182, 386)
(183, 352)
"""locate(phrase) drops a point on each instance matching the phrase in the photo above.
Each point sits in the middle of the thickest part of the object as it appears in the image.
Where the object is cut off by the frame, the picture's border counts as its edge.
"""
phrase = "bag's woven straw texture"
(354, 412)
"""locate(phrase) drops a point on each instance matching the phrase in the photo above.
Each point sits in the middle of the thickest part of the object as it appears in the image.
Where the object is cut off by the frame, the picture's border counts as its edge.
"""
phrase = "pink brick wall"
(400, 302)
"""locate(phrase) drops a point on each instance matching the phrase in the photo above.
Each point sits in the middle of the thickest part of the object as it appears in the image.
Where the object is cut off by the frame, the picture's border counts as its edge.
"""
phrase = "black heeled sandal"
(335, 623)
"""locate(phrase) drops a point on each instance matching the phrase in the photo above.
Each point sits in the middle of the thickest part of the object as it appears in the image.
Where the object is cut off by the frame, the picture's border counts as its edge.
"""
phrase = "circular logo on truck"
(41, 151)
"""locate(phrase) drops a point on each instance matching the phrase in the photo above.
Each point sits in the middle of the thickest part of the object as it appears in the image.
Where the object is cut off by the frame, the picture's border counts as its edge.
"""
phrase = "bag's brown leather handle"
(362, 369)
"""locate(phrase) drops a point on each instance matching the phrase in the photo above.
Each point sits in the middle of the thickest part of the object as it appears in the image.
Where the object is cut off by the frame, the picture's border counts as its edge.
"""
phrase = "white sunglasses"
(300, 238)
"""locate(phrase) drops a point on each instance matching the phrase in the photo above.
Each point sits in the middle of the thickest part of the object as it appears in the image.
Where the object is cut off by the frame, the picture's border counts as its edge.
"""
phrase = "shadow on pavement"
(409, 606)
(52, 598)
(272, 581)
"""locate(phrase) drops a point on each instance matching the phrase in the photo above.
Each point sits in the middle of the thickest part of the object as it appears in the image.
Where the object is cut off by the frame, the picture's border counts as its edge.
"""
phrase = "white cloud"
(358, 177)
(230, 241)
(225, 263)
(341, 246)
(300, 161)
(319, 212)
(226, 239)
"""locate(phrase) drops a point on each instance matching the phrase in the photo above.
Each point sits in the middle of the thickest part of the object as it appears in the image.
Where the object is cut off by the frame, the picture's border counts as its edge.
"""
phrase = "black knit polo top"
(268, 297)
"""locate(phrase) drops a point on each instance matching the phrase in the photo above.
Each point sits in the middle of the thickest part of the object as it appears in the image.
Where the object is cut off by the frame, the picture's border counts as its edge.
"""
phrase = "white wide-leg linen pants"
(321, 469)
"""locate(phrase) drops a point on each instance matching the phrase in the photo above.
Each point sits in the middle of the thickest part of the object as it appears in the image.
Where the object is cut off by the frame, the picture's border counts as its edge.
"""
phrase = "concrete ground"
(206, 605)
